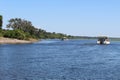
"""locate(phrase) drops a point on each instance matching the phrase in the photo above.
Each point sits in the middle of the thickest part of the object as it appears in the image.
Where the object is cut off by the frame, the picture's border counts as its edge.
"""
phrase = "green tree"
(20, 24)
(21, 27)
(25, 26)
(1, 22)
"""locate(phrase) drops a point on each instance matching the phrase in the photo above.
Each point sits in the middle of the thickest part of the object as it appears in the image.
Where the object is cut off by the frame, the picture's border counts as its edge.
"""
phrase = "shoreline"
(15, 41)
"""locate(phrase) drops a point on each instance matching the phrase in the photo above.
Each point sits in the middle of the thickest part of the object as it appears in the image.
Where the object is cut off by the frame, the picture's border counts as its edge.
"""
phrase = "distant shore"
(15, 41)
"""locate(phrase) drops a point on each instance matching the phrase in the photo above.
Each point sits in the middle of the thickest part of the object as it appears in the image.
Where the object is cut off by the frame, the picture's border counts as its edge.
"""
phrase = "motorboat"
(64, 39)
(103, 40)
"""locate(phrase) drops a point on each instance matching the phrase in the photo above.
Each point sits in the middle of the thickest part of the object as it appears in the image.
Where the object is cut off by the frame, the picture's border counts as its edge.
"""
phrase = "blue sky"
(74, 17)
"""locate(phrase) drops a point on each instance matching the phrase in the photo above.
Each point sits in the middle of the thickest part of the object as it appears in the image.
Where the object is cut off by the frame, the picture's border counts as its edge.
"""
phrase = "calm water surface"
(60, 60)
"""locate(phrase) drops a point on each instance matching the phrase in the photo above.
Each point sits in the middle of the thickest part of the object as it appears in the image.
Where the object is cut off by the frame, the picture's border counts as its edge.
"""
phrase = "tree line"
(23, 29)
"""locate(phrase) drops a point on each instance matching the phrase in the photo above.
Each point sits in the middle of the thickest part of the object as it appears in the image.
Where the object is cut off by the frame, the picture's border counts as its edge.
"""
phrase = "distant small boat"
(103, 40)
(64, 39)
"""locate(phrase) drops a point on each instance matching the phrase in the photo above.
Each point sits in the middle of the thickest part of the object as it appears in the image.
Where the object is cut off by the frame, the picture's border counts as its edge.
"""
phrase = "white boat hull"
(105, 42)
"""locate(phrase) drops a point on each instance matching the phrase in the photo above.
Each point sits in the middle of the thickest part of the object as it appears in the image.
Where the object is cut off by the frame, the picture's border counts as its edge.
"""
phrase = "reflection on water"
(60, 60)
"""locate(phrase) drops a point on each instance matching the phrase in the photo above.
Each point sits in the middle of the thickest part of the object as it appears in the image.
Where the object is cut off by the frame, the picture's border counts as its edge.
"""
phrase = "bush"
(18, 34)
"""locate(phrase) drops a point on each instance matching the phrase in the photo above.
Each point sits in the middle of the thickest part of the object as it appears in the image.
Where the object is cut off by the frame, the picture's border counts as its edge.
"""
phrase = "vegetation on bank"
(24, 30)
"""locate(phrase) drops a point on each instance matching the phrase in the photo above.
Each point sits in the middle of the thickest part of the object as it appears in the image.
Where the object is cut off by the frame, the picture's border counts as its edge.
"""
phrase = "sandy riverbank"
(15, 41)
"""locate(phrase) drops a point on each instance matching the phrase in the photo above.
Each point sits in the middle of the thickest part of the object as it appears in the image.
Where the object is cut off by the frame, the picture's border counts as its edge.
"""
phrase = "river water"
(60, 60)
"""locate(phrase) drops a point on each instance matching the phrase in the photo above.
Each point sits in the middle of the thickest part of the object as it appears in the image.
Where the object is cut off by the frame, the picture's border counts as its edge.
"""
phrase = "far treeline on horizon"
(22, 29)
